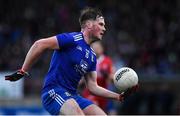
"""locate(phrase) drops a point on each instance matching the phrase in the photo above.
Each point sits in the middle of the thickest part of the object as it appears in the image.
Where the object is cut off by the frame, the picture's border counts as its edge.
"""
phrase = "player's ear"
(89, 24)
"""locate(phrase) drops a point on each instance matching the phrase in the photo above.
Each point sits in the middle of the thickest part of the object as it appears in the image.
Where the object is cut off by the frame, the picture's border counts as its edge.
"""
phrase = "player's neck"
(86, 37)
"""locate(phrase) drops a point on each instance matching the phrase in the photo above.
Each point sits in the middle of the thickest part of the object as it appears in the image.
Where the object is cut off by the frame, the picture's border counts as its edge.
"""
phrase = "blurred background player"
(104, 68)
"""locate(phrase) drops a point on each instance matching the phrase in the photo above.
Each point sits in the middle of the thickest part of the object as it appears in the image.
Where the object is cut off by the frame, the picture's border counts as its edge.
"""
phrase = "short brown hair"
(89, 13)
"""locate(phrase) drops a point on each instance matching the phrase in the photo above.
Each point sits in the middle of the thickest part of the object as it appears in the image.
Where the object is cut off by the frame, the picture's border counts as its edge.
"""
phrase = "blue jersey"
(71, 62)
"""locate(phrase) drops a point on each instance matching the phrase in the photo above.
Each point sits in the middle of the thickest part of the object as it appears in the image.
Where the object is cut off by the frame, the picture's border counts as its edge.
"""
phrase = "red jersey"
(103, 68)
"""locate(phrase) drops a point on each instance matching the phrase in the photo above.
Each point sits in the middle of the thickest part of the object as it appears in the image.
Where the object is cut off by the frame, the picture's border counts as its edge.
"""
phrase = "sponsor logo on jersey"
(82, 67)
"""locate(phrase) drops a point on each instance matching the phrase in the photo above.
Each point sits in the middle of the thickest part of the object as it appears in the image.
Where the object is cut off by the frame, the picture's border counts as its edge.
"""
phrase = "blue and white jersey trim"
(59, 99)
(56, 96)
(78, 37)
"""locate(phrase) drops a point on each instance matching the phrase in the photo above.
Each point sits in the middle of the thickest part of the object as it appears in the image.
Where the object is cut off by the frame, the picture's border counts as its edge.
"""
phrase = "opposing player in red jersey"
(104, 70)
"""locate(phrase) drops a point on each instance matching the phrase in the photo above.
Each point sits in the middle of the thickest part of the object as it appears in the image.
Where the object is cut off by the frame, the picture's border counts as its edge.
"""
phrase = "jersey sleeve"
(93, 66)
(65, 40)
(109, 65)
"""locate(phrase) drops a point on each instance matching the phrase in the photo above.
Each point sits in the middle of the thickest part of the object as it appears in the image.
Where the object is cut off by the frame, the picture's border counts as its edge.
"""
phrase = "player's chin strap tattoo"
(128, 92)
(17, 75)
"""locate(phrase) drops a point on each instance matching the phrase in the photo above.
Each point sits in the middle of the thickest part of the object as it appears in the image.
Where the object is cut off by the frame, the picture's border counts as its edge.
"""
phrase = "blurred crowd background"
(141, 34)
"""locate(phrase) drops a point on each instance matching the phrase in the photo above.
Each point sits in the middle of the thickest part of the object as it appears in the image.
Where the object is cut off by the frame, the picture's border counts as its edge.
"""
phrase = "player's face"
(98, 28)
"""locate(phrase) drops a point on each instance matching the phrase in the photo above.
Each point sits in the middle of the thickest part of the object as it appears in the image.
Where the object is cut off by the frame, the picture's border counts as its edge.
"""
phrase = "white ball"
(125, 78)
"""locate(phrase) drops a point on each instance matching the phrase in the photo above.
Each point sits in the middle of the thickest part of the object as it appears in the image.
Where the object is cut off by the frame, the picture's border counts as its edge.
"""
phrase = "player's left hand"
(128, 92)
(17, 75)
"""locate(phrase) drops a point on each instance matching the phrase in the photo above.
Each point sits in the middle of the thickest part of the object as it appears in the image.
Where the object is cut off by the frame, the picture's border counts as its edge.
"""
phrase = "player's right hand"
(17, 75)
(128, 92)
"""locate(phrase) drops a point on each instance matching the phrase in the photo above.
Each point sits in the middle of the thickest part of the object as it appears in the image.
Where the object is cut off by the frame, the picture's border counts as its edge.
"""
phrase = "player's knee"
(94, 110)
(71, 107)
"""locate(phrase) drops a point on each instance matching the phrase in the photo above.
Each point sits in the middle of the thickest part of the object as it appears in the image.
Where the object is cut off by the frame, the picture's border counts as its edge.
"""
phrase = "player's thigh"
(55, 101)
(70, 107)
(93, 110)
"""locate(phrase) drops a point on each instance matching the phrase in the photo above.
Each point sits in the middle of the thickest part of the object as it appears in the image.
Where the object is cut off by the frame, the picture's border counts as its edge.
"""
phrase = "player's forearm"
(33, 54)
(102, 92)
